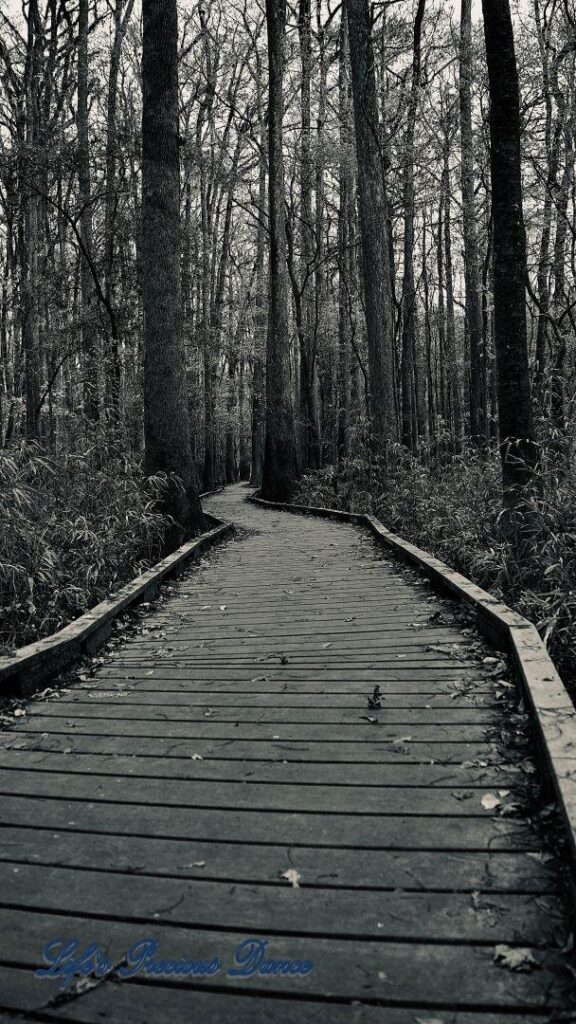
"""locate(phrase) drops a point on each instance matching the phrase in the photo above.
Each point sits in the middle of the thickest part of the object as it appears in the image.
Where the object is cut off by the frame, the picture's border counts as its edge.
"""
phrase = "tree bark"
(346, 214)
(90, 378)
(166, 424)
(455, 401)
(518, 448)
(409, 318)
(122, 15)
(375, 239)
(280, 466)
(471, 273)
(260, 315)
(308, 412)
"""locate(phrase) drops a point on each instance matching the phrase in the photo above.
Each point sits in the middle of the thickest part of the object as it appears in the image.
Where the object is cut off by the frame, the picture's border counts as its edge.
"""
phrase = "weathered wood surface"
(229, 739)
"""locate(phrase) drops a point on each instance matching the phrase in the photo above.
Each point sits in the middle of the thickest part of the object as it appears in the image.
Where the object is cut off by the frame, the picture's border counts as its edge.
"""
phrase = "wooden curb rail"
(22, 673)
(553, 711)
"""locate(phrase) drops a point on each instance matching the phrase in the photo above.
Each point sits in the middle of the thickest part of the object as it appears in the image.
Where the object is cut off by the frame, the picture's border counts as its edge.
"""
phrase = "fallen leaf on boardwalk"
(542, 858)
(519, 959)
(375, 701)
(292, 876)
(399, 744)
(490, 801)
(223, 607)
(19, 712)
(373, 721)
(197, 757)
(324, 646)
(198, 863)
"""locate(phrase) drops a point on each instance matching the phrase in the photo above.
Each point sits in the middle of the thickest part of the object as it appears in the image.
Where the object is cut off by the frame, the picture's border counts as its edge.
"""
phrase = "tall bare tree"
(478, 407)
(166, 424)
(518, 447)
(373, 204)
(280, 465)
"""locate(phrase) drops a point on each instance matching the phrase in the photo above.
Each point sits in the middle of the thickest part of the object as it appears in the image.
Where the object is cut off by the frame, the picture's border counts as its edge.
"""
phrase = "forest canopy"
(364, 293)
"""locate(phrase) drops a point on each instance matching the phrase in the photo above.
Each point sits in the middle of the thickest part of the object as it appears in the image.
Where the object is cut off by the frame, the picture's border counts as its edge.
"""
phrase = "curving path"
(220, 775)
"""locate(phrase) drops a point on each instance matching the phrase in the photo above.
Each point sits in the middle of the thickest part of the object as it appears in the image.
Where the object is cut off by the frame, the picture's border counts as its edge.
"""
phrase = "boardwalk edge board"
(23, 673)
(505, 629)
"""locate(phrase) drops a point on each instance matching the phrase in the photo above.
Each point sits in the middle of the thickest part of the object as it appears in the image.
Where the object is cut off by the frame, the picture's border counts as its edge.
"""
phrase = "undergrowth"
(74, 526)
(450, 505)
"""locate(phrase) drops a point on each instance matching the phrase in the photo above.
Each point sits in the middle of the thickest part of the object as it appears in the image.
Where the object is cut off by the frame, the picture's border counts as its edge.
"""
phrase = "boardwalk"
(222, 776)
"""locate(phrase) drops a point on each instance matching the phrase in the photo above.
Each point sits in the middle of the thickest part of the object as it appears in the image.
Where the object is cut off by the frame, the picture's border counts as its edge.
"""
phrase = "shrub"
(74, 526)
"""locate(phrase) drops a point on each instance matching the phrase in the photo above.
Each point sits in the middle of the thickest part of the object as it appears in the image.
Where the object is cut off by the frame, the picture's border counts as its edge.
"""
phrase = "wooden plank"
(407, 678)
(414, 870)
(364, 732)
(267, 826)
(423, 973)
(467, 775)
(272, 910)
(330, 798)
(114, 710)
(393, 702)
(276, 750)
(373, 638)
(135, 1004)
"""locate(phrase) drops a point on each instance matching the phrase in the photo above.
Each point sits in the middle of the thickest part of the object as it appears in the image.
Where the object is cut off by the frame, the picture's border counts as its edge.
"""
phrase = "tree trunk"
(346, 213)
(166, 424)
(373, 207)
(29, 227)
(260, 319)
(471, 273)
(552, 138)
(88, 340)
(455, 402)
(519, 451)
(308, 413)
(280, 466)
(122, 15)
(409, 319)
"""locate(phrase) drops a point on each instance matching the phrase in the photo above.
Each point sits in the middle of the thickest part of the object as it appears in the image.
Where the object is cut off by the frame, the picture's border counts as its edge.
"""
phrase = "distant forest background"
(343, 246)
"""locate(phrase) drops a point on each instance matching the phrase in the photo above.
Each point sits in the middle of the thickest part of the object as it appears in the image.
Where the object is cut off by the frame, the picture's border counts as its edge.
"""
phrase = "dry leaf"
(515, 959)
(292, 876)
(490, 801)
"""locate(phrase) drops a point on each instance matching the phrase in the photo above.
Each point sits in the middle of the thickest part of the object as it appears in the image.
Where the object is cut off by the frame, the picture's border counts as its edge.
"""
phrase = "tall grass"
(451, 506)
(74, 526)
